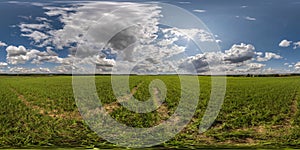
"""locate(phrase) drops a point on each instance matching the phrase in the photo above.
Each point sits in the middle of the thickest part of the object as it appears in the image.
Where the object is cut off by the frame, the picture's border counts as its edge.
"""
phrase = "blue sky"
(264, 24)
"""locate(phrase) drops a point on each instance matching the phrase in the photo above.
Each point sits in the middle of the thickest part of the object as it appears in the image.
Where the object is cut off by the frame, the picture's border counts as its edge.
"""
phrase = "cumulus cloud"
(259, 53)
(275, 71)
(15, 51)
(238, 59)
(219, 41)
(268, 56)
(2, 44)
(56, 11)
(285, 43)
(296, 45)
(297, 66)
(35, 32)
(3, 64)
(36, 36)
(239, 53)
(250, 18)
(199, 10)
(130, 43)
(47, 58)
(184, 2)
(200, 34)
(20, 55)
(41, 19)
(127, 36)
(78, 21)
(127, 32)
(25, 70)
(198, 63)
(26, 27)
(255, 66)
(50, 51)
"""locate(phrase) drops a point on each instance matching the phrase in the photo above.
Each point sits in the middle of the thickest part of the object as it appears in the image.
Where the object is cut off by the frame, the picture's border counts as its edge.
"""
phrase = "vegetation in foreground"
(257, 112)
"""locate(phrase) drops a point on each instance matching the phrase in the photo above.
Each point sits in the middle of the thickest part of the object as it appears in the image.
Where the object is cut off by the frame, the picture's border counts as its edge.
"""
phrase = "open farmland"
(257, 112)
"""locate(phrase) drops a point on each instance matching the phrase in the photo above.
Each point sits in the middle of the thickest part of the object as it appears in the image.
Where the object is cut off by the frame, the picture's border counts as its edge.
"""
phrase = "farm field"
(257, 112)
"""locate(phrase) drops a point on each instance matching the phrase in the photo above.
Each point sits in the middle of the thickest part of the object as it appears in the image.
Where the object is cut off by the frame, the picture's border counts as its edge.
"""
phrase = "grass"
(257, 112)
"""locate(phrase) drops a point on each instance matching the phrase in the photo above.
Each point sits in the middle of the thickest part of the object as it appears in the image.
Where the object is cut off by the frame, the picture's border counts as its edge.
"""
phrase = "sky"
(203, 36)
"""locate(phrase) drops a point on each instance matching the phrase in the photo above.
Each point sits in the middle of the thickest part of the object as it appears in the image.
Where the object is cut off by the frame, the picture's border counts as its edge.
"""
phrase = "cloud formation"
(238, 59)
(199, 10)
(296, 45)
(127, 36)
(285, 43)
(2, 44)
(250, 18)
(239, 53)
(297, 66)
(3, 64)
(268, 56)
(20, 55)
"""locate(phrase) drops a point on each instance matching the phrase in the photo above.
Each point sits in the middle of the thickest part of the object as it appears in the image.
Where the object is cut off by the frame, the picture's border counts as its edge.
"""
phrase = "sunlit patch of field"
(257, 112)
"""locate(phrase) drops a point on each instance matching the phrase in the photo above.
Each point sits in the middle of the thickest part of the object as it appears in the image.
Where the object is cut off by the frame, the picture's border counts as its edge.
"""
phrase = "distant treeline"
(241, 75)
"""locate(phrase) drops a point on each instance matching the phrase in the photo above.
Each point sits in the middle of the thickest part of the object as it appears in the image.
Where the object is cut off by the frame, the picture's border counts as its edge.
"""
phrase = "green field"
(257, 112)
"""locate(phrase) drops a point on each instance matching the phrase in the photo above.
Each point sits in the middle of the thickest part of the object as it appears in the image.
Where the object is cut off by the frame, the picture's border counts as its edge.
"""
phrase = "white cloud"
(56, 11)
(259, 53)
(239, 53)
(285, 43)
(199, 34)
(296, 45)
(83, 22)
(20, 55)
(297, 66)
(31, 3)
(42, 59)
(250, 18)
(50, 51)
(219, 41)
(35, 32)
(238, 59)
(2, 44)
(199, 10)
(202, 62)
(119, 15)
(81, 26)
(14, 51)
(184, 2)
(255, 66)
(24, 70)
(268, 56)
(26, 17)
(34, 26)
(3, 64)
(275, 71)
(41, 19)
(244, 6)
(36, 36)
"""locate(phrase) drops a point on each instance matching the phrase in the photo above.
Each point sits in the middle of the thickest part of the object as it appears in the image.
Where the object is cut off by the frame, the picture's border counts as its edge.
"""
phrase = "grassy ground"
(257, 112)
